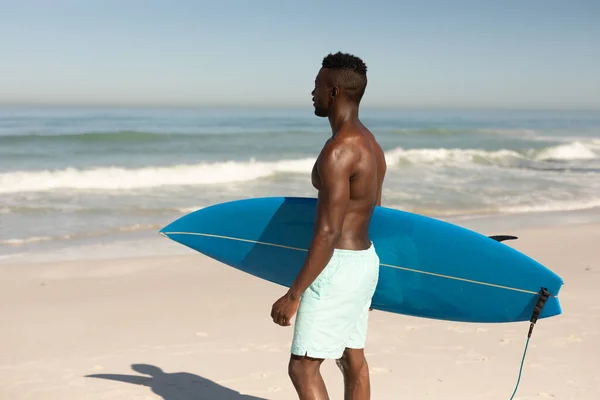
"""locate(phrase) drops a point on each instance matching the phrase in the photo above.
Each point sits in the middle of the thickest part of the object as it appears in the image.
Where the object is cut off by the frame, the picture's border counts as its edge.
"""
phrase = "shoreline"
(145, 243)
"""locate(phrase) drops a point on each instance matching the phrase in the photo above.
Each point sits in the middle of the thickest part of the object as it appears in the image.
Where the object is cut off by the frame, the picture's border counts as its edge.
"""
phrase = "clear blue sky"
(450, 54)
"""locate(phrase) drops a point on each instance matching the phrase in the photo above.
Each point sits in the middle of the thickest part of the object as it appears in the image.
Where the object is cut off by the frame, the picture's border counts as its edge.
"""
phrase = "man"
(333, 290)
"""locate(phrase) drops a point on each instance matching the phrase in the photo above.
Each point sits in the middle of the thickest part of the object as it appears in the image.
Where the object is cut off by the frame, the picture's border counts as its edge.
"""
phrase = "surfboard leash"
(537, 310)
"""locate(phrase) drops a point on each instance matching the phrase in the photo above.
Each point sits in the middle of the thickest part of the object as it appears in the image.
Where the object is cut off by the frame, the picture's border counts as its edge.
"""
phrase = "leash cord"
(521, 369)
(537, 310)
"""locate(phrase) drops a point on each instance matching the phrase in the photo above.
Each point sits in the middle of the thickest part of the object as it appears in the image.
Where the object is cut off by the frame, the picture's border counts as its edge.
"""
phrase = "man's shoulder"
(338, 149)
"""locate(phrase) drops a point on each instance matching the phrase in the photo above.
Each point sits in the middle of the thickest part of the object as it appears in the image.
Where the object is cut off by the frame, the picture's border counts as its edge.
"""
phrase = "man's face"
(321, 94)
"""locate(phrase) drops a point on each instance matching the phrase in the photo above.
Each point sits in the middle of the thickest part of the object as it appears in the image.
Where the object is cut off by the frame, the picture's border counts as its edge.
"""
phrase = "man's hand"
(284, 309)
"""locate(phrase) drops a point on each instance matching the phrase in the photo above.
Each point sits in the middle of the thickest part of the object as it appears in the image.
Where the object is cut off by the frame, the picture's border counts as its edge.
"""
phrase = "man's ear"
(335, 92)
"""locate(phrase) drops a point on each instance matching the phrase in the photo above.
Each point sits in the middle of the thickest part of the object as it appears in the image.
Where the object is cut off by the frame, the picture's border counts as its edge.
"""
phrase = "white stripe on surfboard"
(233, 238)
(384, 265)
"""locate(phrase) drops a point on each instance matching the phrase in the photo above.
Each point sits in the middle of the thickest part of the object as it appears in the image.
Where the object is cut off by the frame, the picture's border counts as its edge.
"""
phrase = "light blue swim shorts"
(334, 310)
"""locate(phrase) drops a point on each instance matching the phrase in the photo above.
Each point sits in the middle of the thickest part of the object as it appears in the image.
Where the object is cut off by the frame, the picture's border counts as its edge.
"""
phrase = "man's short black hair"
(348, 72)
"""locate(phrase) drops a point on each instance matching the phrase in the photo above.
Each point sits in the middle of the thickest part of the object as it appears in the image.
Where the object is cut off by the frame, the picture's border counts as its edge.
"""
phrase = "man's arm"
(335, 169)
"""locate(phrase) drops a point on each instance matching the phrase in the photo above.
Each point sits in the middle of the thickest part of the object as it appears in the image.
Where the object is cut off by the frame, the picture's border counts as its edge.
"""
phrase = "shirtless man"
(333, 290)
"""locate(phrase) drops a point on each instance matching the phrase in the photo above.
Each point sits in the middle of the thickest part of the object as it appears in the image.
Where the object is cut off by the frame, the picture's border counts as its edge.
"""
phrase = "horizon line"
(398, 107)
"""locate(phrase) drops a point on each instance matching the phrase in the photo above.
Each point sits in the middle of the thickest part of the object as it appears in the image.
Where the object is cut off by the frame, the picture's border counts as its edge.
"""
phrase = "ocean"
(71, 178)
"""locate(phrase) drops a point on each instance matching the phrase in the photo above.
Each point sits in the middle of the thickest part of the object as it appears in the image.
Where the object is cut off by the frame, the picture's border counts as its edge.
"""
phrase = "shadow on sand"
(177, 385)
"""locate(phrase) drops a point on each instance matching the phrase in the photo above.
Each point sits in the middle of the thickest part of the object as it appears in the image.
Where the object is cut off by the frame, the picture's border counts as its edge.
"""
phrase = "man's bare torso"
(366, 182)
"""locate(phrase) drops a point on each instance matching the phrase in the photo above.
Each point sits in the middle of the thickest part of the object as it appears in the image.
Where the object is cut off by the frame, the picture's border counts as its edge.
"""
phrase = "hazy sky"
(480, 53)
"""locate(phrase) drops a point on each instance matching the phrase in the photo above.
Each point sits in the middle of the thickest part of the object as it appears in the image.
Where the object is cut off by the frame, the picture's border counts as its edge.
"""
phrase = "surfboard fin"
(502, 238)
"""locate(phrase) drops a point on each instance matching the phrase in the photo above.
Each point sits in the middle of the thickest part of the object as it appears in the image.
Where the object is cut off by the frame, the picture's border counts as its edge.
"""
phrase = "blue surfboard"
(428, 268)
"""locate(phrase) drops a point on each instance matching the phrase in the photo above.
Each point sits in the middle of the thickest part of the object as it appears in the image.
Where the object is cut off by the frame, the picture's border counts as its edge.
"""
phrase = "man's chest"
(315, 178)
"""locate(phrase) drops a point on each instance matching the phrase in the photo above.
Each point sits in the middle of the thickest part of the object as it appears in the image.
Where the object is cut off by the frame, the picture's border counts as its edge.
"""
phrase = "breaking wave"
(112, 178)
(117, 178)
(563, 153)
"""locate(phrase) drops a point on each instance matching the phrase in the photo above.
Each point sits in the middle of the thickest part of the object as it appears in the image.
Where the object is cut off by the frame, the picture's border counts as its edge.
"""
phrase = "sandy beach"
(187, 327)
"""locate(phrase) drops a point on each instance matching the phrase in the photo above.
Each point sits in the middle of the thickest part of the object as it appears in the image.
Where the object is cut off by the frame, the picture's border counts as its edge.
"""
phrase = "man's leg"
(306, 377)
(357, 385)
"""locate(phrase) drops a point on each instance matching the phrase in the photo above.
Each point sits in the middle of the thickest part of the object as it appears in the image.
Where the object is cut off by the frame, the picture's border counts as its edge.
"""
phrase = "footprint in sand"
(545, 395)
(537, 366)
(564, 341)
(69, 373)
(504, 341)
(185, 353)
(268, 347)
(80, 381)
(474, 361)
(233, 351)
(26, 382)
(274, 389)
(380, 370)
(182, 345)
(472, 357)
(457, 329)
(104, 357)
(443, 348)
(260, 375)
